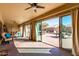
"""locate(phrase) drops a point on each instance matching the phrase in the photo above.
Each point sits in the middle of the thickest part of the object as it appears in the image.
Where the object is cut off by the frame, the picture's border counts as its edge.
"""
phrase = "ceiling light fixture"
(34, 9)
(34, 6)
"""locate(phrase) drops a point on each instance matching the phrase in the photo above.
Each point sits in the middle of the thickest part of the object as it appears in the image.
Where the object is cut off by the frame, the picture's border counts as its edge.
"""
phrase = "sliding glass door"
(38, 31)
(50, 31)
(55, 31)
(66, 31)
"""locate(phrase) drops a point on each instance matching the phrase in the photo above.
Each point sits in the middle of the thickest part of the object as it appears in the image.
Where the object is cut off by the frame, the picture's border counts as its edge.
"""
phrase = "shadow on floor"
(60, 52)
(53, 52)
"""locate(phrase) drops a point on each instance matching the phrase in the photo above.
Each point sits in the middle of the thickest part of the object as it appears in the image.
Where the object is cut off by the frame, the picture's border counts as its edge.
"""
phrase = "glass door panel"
(66, 32)
(50, 31)
(38, 31)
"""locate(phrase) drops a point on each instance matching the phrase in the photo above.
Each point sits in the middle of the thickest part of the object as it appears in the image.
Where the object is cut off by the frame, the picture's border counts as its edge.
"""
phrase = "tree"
(63, 28)
(44, 24)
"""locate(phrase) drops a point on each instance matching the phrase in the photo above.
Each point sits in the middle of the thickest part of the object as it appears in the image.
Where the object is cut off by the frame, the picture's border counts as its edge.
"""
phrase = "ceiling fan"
(34, 6)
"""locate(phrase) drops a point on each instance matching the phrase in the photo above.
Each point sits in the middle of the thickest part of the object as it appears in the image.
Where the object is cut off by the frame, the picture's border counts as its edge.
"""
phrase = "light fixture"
(34, 9)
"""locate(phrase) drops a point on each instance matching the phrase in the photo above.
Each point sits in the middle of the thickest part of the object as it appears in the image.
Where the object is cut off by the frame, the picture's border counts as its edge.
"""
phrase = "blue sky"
(67, 20)
(52, 21)
(55, 21)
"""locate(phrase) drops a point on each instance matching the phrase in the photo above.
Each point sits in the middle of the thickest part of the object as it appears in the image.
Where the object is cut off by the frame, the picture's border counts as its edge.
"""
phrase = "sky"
(66, 20)
(52, 21)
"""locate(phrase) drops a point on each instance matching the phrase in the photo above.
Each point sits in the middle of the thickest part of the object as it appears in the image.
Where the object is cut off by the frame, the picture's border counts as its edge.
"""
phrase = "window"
(27, 31)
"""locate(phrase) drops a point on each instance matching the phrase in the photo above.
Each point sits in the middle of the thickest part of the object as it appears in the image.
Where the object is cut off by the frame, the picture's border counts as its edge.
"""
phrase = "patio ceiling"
(15, 13)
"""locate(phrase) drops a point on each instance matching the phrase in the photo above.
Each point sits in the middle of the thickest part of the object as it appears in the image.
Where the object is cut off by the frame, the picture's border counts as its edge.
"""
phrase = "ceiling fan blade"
(28, 8)
(30, 4)
(40, 6)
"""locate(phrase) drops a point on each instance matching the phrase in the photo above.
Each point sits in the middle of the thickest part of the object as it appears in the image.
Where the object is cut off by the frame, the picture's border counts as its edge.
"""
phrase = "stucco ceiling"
(16, 13)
